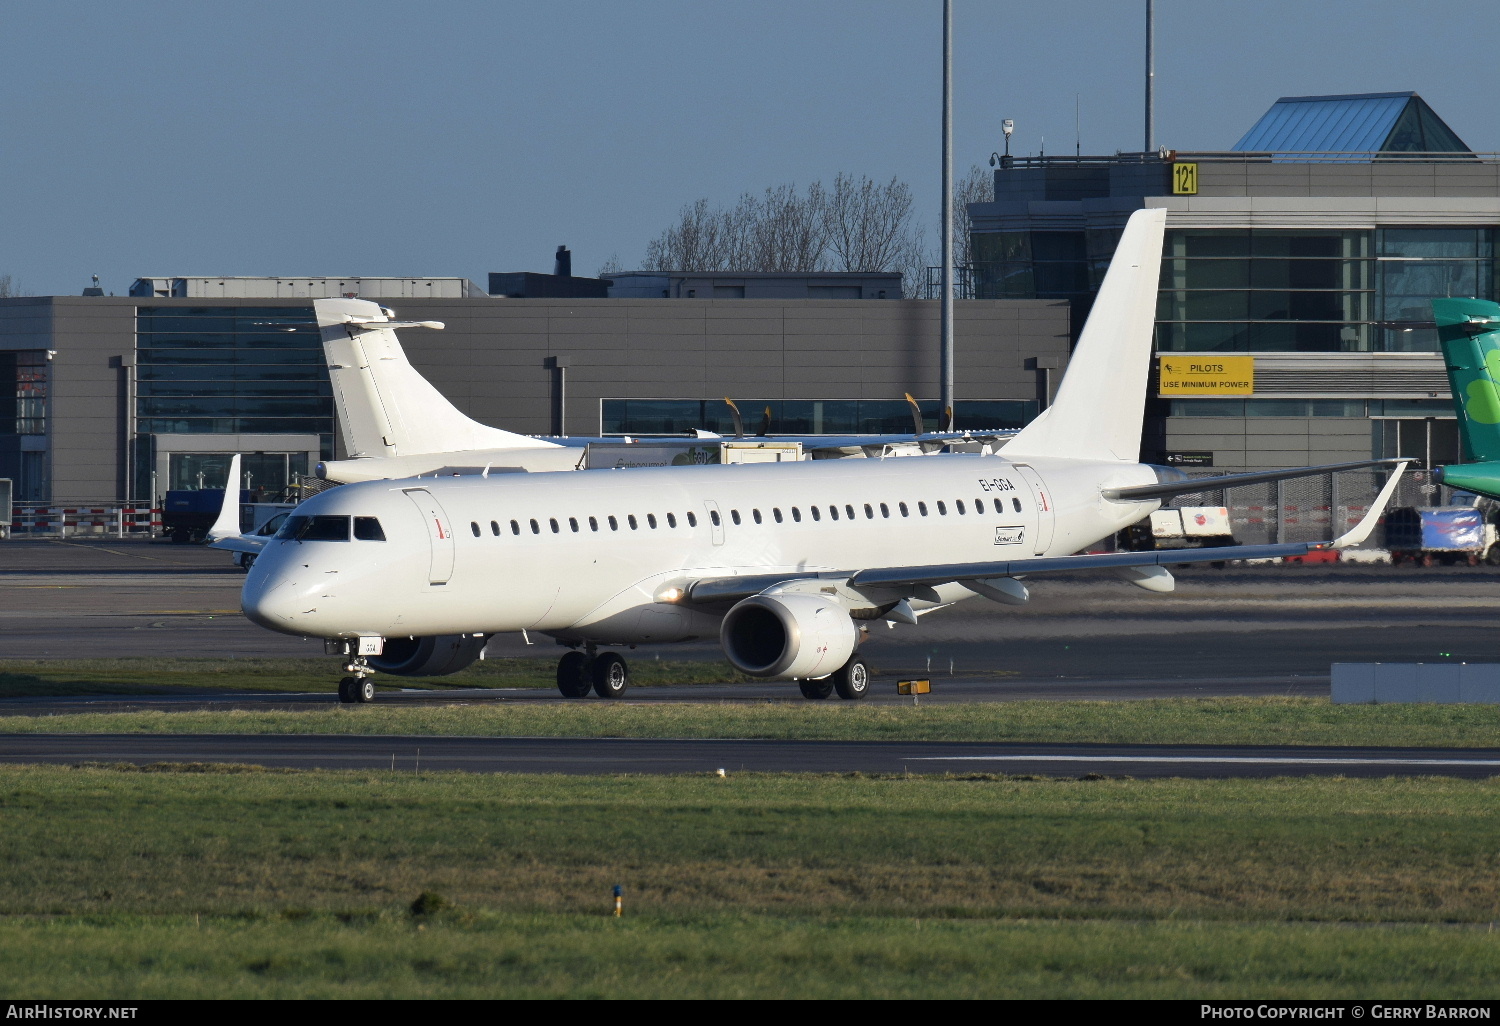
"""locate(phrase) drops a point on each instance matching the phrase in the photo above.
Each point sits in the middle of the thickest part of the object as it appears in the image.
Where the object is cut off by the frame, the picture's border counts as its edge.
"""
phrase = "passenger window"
(922, 508)
(849, 511)
(833, 512)
(869, 513)
(651, 520)
(713, 515)
(958, 504)
(942, 509)
(553, 522)
(536, 528)
(671, 519)
(885, 511)
(902, 506)
(1016, 503)
(796, 514)
(495, 528)
(515, 527)
(573, 523)
(776, 513)
(368, 529)
(692, 519)
(630, 519)
(755, 515)
(816, 515)
(734, 515)
(614, 525)
(593, 524)
(978, 505)
(474, 526)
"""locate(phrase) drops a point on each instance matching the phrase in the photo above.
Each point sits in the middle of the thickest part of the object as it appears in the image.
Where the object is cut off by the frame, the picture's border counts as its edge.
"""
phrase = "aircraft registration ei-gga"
(788, 563)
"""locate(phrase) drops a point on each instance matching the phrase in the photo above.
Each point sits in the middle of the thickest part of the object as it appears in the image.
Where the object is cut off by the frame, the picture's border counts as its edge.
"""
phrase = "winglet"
(228, 523)
(1362, 530)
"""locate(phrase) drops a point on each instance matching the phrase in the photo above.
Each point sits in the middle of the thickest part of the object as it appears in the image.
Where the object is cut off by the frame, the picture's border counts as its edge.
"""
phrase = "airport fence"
(104, 519)
(1311, 509)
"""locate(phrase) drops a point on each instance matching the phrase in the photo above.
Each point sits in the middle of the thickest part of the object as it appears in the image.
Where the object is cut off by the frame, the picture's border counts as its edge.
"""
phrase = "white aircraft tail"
(1102, 399)
(385, 407)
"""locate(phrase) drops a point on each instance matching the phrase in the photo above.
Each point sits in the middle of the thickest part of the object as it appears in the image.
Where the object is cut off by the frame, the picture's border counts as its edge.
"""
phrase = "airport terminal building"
(1300, 264)
(119, 398)
(1303, 262)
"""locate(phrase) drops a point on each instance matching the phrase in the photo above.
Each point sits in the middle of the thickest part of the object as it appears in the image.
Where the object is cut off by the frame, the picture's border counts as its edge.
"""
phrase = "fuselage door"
(1041, 498)
(715, 521)
(439, 534)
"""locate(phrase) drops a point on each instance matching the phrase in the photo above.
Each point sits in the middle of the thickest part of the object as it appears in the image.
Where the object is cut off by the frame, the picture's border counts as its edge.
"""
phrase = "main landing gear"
(578, 672)
(851, 681)
(357, 687)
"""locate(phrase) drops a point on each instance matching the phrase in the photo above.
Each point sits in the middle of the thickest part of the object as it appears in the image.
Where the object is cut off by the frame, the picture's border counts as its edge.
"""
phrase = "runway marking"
(1268, 760)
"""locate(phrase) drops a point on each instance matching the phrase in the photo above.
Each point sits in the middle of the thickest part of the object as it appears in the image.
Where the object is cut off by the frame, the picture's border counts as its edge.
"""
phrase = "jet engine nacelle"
(798, 636)
(428, 657)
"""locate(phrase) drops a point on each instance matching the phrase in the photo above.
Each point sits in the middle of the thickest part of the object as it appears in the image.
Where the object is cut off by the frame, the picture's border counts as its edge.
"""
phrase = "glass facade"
(1397, 408)
(23, 392)
(1262, 290)
(232, 370)
(804, 416)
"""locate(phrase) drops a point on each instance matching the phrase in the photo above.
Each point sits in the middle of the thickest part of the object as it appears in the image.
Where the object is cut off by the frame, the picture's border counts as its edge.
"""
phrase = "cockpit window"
(319, 528)
(368, 529)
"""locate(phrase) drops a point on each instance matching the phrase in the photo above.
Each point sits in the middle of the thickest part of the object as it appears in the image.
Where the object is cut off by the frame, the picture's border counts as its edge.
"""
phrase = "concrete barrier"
(1438, 683)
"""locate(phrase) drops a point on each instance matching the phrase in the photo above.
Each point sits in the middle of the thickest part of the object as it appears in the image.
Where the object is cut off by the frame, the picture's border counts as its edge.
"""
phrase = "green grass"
(735, 956)
(204, 881)
(52, 677)
(1150, 721)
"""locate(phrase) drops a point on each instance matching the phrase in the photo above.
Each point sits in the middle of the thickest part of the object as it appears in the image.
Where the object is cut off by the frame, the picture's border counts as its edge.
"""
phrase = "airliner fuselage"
(604, 556)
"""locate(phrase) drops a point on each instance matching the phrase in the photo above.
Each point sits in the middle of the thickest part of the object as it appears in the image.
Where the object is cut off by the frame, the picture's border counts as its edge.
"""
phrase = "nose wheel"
(358, 687)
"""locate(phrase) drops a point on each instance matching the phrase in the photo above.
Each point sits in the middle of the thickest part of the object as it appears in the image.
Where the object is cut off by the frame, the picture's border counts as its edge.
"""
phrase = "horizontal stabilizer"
(1166, 489)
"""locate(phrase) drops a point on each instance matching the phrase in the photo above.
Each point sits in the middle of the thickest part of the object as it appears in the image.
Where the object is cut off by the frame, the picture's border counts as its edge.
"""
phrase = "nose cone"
(273, 601)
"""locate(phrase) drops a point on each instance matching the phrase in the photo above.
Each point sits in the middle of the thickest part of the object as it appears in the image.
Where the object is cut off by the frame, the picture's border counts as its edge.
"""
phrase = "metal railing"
(1254, 157)
(104, 519)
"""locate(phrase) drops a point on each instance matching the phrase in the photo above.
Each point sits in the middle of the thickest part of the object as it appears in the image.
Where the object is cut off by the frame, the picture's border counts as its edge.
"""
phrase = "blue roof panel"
(1358, 123)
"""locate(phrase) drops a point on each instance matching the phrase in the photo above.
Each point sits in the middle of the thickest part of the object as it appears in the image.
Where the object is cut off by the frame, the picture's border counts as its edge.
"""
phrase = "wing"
(901, 578)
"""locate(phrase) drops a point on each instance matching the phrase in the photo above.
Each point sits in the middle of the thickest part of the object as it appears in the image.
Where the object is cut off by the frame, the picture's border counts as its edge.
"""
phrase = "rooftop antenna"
(1077, 127)
(1150, 76)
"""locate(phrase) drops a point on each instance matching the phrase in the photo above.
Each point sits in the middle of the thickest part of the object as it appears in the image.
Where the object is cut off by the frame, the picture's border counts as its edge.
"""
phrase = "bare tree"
(978, 186)
(694, 243)
(610, 266)
(780, 230)
(10, 287)
(869, 225)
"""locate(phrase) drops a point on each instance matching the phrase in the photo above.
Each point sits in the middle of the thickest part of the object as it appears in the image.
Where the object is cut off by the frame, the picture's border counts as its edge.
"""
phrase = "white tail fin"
(385, 407)
(1102, 399)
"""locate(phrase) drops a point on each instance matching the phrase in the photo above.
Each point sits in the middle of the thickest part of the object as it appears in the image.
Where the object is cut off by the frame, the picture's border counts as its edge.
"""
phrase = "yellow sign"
(1184, 179)
(1207, 375)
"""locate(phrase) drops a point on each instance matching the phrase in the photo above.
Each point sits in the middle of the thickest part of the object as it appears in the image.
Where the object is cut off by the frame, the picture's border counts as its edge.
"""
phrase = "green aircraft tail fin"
(1469, 332)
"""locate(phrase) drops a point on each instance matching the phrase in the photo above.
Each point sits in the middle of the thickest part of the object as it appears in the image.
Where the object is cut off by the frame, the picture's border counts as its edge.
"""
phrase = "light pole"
(945, 416)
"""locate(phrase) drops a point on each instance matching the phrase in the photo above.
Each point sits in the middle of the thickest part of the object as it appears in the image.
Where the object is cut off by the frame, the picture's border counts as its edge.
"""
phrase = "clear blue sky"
(447, 137)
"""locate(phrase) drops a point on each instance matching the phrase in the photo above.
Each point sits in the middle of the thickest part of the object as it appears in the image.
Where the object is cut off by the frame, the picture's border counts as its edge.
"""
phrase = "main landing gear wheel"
(852, 679)
(356, 690)
(573, 675)
(816, 689)
(611, 677)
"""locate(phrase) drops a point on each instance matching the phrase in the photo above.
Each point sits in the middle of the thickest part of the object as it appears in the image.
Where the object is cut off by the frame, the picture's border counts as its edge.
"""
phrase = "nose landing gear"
(358, 687)
(579, 672)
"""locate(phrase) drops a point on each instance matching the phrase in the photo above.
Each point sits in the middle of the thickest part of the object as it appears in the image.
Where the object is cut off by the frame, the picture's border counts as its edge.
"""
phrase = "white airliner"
(787, 563)
(396, 424)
